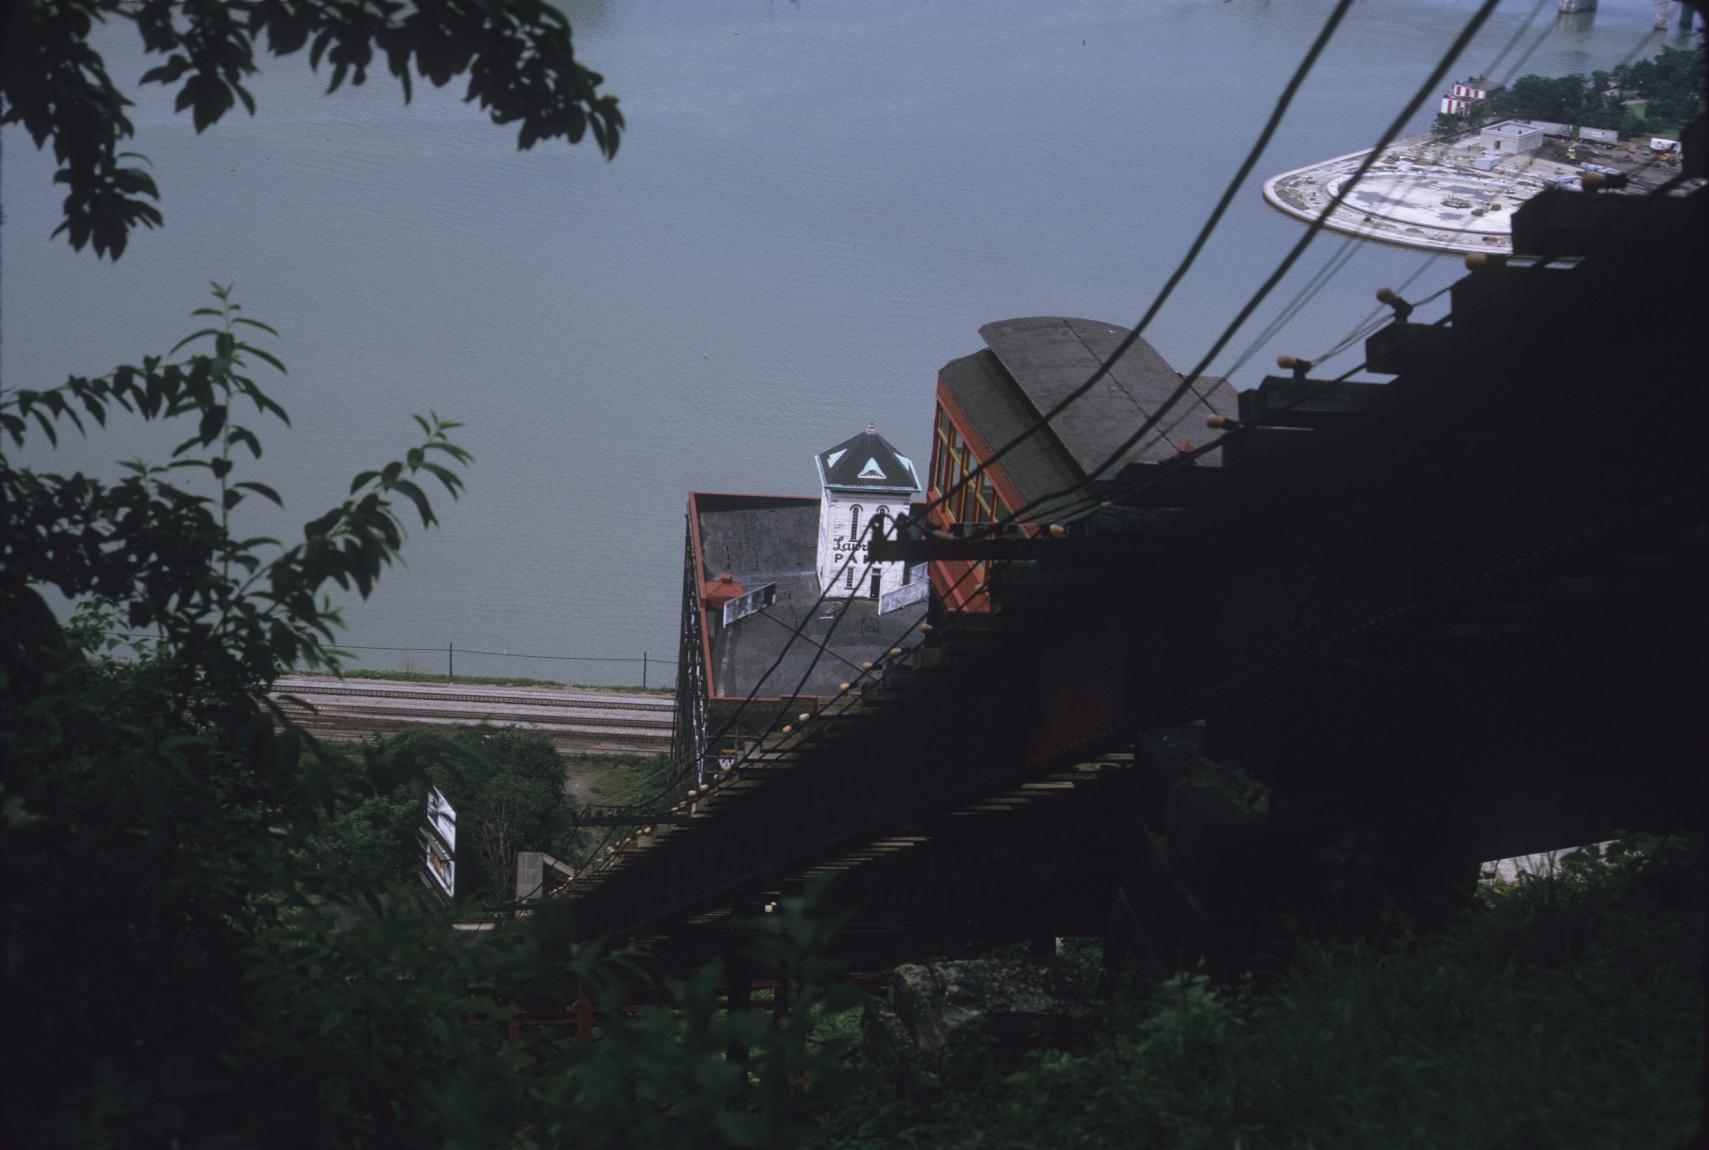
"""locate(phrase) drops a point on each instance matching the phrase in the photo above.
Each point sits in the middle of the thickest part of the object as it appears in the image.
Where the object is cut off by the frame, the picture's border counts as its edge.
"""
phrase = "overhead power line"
(1349, 249)
(1317, 225)
(1470, 30)
(1536, 265)
(1250, 161)
(1210, 225)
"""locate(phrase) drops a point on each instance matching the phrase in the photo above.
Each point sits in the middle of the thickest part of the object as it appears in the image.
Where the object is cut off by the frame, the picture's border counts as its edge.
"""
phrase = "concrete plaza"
(1422, 193)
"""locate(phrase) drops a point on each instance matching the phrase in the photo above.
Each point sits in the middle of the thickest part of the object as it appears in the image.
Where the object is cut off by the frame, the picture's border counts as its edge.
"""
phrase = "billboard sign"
(441, 867)
(439, 842)
(752, 603)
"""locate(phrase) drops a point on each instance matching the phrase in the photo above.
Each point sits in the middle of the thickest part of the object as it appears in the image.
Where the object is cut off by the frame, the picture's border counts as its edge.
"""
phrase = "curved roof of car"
(1049, 357)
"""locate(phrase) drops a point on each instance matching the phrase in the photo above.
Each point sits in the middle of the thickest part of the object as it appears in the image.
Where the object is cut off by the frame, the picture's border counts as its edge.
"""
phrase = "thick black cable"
(1181, 269)
(1269, 130)
(1317, 225)
(1186, 459)
(798, 631)
(681, 769)
(864, 673)
(1347, 252)
(1467, 33)
(1320, 279)
(1535, 265)
(1373, 319)
(1311, 289)
(817, 643)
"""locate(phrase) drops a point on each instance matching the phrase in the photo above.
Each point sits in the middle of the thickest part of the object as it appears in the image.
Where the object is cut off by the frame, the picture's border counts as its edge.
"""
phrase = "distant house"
(864, 485)
(1465, 93)
(986, 399)
(1478, 88)
(1512, 137)
(760, 570)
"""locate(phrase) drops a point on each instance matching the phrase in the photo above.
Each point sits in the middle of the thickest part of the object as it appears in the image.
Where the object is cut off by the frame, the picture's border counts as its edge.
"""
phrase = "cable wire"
(1210, 225)
(687, 764)
(1317, 225)
(1466, 34)
(1535, 266)
(1186, 459)
(1175, 278)
(1348, 251)
(863, 674)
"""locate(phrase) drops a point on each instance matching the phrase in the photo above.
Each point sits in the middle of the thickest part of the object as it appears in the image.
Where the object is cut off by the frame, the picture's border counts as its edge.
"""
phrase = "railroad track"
(575, 721)
(531, 698)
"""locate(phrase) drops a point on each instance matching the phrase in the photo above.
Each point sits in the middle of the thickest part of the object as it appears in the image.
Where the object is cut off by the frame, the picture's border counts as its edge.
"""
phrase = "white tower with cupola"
(865, 483)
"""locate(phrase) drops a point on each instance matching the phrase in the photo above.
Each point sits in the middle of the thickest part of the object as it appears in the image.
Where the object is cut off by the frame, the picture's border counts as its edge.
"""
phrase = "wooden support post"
(780, 998)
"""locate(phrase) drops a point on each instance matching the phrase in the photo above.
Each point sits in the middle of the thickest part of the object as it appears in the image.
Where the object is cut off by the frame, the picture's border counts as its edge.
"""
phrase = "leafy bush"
(1567, 1011)
(203, 944)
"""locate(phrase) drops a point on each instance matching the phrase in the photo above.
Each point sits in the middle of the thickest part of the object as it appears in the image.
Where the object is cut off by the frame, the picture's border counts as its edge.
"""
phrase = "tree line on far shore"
(1653, 97)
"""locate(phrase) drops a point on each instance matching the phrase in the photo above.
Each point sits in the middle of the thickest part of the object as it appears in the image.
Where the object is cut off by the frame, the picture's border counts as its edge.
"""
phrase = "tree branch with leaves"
(519, 56)
(163, 555)
(211, 939)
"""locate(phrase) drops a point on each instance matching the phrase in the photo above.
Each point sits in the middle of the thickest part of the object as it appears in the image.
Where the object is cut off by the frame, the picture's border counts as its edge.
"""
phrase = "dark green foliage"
(662, 1081)
(1671, 83)
(511, 790)
(506, 786)
(517, 54)
(1564, 1012)
(159, 556)
(152, 810)
(1446, 126)
(1564, 99)
(201, 947)
(373, 834)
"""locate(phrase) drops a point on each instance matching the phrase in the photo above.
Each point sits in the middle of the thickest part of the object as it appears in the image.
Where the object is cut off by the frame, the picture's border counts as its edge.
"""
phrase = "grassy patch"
(615, 780)
(1562, 1012)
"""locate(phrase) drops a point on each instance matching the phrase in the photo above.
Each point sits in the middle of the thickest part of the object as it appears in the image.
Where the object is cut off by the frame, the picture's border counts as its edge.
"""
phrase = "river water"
(815, 206)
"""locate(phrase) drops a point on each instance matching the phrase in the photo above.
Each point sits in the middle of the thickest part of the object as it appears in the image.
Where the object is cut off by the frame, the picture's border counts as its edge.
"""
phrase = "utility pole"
(643, 670)
(450, 662)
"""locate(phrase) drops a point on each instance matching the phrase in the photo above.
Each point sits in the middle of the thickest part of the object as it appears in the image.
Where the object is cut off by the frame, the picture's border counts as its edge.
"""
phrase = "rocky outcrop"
(1189, 888)
(944, 1023)
(1200, 806)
